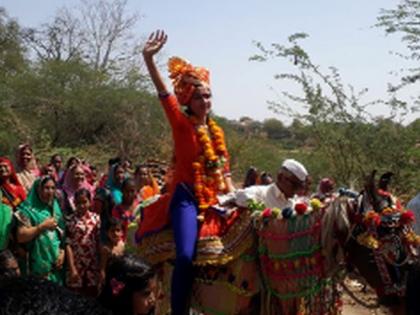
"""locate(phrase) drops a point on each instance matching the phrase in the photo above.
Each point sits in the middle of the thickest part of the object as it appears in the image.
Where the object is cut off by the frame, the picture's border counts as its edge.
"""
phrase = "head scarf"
(43, 249)
(326, 185)
(185, 78)
(114, 187)
(13, 191)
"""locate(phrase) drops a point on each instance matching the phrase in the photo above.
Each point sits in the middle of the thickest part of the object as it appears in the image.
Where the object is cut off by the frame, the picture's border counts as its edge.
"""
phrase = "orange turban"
(185, 78)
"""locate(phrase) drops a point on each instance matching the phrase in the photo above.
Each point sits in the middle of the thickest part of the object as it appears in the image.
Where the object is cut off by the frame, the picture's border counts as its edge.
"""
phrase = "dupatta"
(45, 248)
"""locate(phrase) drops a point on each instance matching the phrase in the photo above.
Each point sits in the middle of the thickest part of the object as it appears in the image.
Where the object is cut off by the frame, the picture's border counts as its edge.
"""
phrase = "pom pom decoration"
(407, 217)
(301, 208)
(368, 240)
(298, 206)
(266, 213)
(316, 204)
(287, 213)
(372, 218)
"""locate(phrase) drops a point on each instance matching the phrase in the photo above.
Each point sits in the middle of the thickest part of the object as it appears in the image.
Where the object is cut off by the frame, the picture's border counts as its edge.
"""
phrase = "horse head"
(379, 240)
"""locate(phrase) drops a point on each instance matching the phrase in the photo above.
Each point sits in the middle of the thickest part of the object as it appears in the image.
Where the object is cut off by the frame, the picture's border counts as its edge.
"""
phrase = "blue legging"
(184, 223)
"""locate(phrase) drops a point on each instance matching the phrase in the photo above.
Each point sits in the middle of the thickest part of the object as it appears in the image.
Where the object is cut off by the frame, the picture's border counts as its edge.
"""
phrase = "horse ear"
(370, 186)
(384, 180)
(370, 190)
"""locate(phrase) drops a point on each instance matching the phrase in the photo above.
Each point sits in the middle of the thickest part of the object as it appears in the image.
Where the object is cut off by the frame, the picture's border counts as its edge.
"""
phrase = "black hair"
(114, 222)
(82, 192)
(133, 274)
(251, 177)
(44, 179)
(115, 160)
(105, 196)
(127, 160)
(54, 156)
(266, 178)
(35, 296)
(70, 161)
(5, 257)
(140, 166)
(127, 181)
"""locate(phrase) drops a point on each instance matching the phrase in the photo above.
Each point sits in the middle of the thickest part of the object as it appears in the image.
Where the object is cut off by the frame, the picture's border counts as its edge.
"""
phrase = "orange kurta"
(187, 150)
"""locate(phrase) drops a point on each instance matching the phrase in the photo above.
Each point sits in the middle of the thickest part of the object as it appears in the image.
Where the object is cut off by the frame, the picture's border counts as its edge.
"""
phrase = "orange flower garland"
(208, 169)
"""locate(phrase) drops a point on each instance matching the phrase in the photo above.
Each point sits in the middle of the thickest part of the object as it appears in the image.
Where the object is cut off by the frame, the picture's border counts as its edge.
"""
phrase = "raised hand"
(155, 43)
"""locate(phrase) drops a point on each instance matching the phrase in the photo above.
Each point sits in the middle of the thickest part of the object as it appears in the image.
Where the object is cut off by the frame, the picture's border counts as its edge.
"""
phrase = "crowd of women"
(64, 225)
(70, 227)
(67, 226)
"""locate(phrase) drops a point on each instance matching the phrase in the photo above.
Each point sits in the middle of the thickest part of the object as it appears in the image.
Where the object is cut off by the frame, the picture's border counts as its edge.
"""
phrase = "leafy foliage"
(344, 137)
(404, 20)
(75, 86)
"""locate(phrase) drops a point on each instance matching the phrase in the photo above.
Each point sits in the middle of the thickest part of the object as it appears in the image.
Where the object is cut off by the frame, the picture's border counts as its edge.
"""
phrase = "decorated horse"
(269, 262)
(376, 233)
(290, 260)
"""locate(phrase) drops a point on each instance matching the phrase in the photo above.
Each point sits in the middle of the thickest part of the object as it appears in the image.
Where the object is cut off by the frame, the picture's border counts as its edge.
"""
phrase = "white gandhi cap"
(296, 168)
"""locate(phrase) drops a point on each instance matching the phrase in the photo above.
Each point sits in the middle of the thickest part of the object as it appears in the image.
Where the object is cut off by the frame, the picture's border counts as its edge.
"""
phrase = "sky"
(220, 35)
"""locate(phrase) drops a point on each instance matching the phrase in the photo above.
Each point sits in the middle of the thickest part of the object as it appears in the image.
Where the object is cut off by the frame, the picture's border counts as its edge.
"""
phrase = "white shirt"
(270, 195)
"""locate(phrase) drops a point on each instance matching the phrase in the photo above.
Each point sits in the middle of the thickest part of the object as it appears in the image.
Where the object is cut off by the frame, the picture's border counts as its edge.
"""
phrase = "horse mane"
(335, 221)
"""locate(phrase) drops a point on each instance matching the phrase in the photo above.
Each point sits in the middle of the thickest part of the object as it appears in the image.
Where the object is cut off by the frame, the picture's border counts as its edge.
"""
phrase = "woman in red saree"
(12, 190)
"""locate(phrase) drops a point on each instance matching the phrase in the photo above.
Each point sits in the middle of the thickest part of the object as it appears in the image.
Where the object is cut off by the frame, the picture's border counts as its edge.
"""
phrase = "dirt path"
(367, 295)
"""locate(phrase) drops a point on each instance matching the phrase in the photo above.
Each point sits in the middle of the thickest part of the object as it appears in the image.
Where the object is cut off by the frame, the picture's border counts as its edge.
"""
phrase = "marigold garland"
(208, 169)
(394, 215)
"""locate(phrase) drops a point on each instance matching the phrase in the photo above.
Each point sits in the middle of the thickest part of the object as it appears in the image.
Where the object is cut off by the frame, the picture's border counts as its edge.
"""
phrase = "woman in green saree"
(41, 228)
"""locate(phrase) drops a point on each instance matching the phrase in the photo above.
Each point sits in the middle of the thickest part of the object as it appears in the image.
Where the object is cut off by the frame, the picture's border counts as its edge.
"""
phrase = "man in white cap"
(291, 180)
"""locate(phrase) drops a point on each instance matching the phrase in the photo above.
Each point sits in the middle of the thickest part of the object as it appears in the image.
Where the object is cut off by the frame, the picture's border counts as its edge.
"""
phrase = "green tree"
(345, 137)
(99, 32)
(275, 129)
(404, 20)
(13, 67)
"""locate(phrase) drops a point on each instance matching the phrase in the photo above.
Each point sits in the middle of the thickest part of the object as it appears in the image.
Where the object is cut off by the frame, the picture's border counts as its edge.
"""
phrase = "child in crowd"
(116, 177)
(83, 235)
(8, 265)
(103, 205)
(126, 210)
(130, 287)
(147, 186)
(113, 246)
